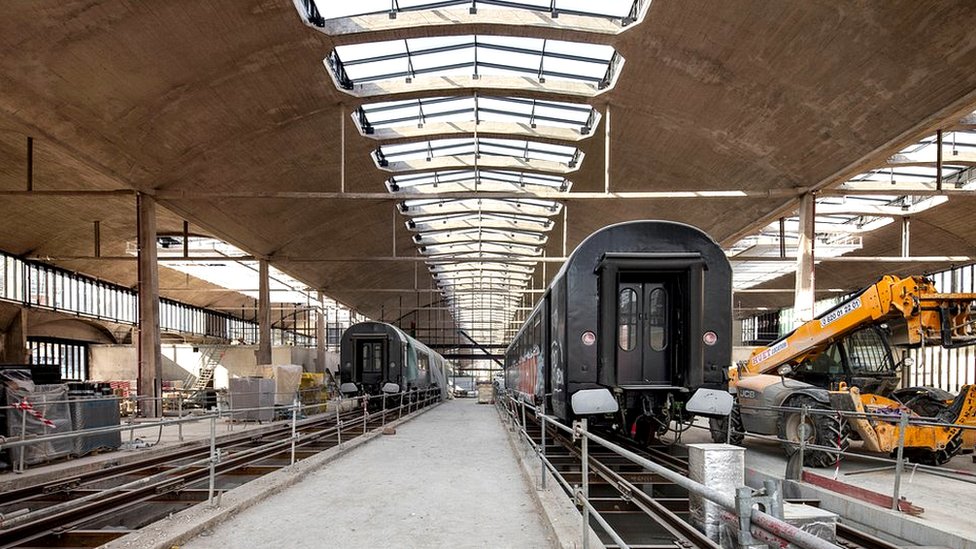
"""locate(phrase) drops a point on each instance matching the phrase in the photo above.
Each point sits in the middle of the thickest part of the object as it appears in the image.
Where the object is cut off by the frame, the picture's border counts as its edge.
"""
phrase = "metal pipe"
(213, 459)
(767, 522)
(294, 420)
(585, 481)
(899, 461)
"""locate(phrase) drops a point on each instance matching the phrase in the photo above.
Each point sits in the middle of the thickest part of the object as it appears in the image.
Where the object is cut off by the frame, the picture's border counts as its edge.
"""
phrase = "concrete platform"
(946, 502)
(447, 479)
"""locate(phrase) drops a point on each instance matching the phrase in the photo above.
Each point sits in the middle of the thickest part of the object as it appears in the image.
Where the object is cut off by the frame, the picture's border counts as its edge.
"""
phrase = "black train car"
(374, 356)
(635, 327)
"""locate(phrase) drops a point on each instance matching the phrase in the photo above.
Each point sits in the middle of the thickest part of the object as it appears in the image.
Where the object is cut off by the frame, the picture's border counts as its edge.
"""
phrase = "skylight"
(841, 220)
(470, 180)
(442, 62)
(470, 113)
(524, 206)
(338, 18)
(467, 152)
(441, 221)
(330, 9)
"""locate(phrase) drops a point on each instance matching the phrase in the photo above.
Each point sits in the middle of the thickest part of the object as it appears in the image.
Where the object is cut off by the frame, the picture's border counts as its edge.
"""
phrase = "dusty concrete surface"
(447, 480)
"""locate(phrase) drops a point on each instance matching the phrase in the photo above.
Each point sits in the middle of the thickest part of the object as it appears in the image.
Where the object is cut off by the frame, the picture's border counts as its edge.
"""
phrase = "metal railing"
(410, 401)
(741, 509)
(899, 463)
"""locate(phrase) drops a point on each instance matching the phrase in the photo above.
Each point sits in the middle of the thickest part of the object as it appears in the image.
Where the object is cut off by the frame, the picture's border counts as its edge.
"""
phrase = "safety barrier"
(753, 524)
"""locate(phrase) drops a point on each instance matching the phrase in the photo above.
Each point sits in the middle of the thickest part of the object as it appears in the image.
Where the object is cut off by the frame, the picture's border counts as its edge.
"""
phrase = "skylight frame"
(468, 151)
(497, 220)
(478, 180)
(522, 206)
(467, 113)
(431, 63)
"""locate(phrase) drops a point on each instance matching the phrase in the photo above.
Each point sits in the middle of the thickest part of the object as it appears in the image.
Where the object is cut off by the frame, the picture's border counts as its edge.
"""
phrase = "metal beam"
(623, 195)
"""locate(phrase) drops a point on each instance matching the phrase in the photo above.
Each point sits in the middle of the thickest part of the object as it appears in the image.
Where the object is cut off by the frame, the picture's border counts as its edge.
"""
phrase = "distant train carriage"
(377, 357)
(635, 328)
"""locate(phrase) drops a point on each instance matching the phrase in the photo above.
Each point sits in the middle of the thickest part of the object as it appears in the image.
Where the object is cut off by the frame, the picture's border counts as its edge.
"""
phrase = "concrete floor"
(447, 479)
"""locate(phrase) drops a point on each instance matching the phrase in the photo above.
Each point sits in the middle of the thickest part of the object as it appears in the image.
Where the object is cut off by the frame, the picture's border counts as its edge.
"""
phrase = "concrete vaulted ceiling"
(224, 100)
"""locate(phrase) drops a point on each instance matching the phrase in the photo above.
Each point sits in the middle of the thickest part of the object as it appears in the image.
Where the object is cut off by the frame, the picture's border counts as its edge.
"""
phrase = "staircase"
(210, 358)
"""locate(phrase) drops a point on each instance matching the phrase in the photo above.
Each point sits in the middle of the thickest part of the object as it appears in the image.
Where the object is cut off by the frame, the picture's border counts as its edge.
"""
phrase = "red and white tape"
(26, 406)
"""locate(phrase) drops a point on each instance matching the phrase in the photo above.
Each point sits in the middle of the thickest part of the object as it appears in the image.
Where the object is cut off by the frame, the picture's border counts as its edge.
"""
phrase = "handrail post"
(585, 481)
(900, 463)
(803, 434)
(179, 411)
(338, 424)
(294, 422)
(23, 436)
(384, 409)
(542, 447)
(213, 457)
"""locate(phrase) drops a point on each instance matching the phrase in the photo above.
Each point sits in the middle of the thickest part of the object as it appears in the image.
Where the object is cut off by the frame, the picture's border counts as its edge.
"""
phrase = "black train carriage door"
(646, 322)
(647, 314)
(369, 360)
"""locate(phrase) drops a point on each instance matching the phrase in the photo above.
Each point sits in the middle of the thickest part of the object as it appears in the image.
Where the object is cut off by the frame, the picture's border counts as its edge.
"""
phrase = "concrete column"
(906, 236)
(264, 314)
(805, 283)
(13, 343)
(150, 378)
(320, 336)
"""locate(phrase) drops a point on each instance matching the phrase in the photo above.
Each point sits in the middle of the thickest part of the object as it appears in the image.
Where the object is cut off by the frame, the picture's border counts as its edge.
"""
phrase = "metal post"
(400, 408)
(775, 496)
(338, 424)
(584, 446)
(132, 432)
(294, 421)
(179, 410)
(23, 436)
(213, 457)
(524, 429)
(743, 510)
(803, 435)
(365, 412)
(542, 455)
(900, 464)
(384, 409)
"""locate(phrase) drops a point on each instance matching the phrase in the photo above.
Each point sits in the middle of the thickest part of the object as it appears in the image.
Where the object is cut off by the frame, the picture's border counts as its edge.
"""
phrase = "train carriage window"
(627, 319)
(657, 319)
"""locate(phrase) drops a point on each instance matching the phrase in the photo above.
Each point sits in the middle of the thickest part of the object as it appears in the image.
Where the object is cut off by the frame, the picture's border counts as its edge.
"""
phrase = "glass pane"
(627, 319)
(867, 352)
(657, 320)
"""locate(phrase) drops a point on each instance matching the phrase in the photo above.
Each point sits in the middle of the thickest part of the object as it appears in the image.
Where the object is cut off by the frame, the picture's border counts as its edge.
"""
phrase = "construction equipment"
(842, 361)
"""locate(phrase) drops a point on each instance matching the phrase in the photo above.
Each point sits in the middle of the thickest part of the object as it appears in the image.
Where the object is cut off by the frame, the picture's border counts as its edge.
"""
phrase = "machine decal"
(769, 352)
(840, 311)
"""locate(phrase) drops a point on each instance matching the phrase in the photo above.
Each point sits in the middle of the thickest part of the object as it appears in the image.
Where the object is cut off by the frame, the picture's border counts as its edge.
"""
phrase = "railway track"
(95, 507)
(647, 511)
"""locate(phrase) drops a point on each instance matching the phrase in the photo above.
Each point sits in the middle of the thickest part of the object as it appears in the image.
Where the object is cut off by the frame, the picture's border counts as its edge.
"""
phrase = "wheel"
(937, 457)
(820, 429)
(719, 427)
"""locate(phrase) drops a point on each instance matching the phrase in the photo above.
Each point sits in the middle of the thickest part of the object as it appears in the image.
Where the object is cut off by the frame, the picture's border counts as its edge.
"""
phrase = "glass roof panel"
(467, 108)
(479, 234)
(523, 206)
(482, 55)
(447, 181)
(479, 219)
(519, 148)
(330, 9)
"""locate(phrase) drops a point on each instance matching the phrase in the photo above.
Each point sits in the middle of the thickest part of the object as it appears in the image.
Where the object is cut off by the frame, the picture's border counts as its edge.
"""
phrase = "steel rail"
(79, 511)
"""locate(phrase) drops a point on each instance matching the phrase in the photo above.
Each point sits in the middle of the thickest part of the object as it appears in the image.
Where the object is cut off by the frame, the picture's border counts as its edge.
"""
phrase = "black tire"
(719, 427)
(828, 430)
(938, 457)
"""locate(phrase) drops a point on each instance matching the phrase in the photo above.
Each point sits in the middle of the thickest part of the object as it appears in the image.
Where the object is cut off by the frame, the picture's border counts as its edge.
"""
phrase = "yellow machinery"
(842, 361)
